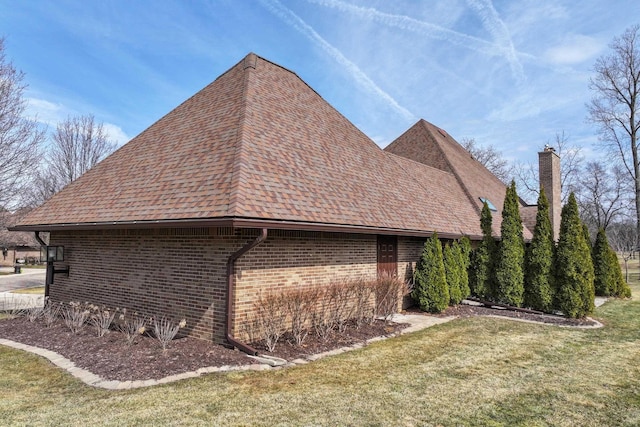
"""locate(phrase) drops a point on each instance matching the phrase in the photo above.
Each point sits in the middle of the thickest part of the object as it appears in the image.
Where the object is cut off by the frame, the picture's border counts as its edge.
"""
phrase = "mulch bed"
(111, 358)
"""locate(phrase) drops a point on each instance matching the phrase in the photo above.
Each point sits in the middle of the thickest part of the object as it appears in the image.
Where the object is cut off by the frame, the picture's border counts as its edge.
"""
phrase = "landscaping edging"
(417, 322)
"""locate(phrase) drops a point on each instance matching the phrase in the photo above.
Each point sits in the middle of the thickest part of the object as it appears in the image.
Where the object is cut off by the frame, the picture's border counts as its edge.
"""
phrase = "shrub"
(75, 316)
(131, 325)
(604, 282)
(509, 265)
(430, 289)
(482, 277)
(364, 291)
(300, 304)
(165, 330)
(389, 292)
(34, 313)
(321, 317)
(50, 313)
(573, 266)
(465, 261)
(453, 269)
(271, 312)
(622, 289)
(538, 290)
(101, 318)
(340, 303)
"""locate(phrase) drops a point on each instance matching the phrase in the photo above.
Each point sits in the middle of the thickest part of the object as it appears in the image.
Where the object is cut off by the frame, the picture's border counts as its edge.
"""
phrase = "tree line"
(607, 190)
(543, 275)
(36, 163)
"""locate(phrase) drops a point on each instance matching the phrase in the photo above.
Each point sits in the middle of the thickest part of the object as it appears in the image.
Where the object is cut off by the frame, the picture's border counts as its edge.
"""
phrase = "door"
(387, 255)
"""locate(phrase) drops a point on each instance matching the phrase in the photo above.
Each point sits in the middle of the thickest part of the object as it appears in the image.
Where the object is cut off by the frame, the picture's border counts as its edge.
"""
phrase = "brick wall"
(287, 260)
(182, 272)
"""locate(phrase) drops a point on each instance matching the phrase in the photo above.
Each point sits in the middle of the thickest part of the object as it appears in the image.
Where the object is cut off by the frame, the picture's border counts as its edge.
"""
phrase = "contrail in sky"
(491, 21)
(301, 26)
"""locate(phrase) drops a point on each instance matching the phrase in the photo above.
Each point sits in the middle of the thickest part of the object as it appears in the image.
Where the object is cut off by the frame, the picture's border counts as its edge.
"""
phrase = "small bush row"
(322, 310)
(131, 324)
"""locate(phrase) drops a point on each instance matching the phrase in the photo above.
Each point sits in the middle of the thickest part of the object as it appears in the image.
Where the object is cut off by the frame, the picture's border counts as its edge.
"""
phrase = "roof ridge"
(249, 62)
(454, 171)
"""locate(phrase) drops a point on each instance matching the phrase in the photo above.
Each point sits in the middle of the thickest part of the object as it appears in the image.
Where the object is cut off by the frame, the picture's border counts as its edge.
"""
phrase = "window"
(488, 202)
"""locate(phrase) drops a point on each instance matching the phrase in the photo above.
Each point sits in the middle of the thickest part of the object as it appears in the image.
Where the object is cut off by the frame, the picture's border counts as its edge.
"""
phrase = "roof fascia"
(238, 223)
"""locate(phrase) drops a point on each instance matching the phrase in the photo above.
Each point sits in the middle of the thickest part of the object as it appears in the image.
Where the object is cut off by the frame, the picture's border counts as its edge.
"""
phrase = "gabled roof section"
(430, 145)
(258, 144)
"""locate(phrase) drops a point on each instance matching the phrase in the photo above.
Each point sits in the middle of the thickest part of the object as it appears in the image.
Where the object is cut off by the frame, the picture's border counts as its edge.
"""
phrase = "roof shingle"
(259, 144)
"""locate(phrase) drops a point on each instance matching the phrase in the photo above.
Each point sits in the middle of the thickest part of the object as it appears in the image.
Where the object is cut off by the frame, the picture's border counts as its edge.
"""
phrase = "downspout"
(231, 263)
(49, 278)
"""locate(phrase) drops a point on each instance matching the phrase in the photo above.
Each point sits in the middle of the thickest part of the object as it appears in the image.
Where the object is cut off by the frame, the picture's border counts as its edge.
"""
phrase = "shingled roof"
(259, 147)
(430, 145)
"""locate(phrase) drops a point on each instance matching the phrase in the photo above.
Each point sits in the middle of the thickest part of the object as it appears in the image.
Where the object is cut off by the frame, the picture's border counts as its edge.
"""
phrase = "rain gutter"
(231, 263)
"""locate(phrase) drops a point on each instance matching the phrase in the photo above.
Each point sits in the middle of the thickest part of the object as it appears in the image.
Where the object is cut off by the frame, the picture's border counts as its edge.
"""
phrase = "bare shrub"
(75, 316)
(251, 329)
(389, 292)
(166, 329)
(271, 311)
(340, 304)
(101, 319)
(321, 318)
(363, 293)
(131, 325)
(34, 313)
(300, 304)
(50, 313)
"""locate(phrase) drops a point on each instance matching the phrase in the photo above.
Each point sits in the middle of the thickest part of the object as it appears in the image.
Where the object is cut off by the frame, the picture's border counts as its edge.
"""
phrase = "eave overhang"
(236, 222)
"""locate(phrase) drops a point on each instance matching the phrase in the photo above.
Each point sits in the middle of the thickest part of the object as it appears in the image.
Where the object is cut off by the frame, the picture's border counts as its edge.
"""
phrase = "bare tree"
(602, 195)
(614, 107)
(526, 174)
(20, 138)
(78, 144)
(622, 237)
(490, 157)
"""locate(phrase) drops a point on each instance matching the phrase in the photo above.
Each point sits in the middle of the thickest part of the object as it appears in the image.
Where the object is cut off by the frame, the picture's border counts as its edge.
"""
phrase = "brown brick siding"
(287, 260)
(182, 272)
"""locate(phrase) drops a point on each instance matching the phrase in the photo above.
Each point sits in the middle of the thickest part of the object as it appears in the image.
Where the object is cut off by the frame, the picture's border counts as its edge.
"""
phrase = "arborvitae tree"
(430, 289)
(604, 275)
(587, 236)
(538, 288)
(622, 288)
(465, 260)
(453, 269)
(575, 291)
(510, 260)
(481, 278)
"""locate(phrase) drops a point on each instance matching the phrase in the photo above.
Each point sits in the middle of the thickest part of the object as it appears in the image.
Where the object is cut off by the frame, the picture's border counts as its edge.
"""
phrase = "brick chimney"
(549, 172)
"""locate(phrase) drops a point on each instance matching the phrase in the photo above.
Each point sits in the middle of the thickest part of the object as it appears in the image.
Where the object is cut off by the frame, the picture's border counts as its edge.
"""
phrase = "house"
(16, 246)
(255, 183)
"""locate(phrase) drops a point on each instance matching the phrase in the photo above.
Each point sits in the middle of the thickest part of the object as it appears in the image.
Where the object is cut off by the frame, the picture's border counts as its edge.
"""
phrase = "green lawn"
(482, 371)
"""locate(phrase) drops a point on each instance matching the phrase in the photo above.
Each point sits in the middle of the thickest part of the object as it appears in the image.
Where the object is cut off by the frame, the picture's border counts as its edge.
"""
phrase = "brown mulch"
(111, 358)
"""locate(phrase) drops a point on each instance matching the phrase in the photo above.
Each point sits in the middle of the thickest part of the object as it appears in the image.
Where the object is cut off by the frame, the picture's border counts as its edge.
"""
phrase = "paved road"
(29, 278)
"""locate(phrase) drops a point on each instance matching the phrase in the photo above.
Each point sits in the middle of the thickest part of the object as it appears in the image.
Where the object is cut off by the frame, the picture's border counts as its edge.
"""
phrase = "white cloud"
(46, 112)
(574, 49)
(51, 114)
(116, 134)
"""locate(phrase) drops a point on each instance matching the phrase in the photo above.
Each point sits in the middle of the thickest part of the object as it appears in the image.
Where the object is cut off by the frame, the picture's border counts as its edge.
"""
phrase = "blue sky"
(509, 73)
